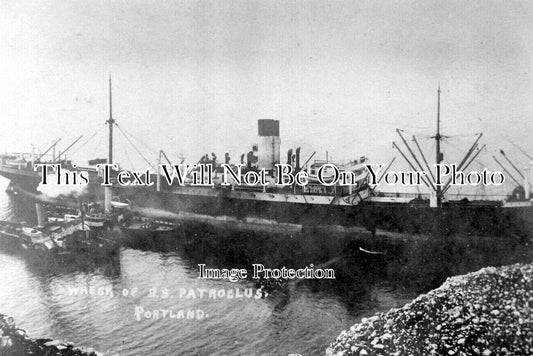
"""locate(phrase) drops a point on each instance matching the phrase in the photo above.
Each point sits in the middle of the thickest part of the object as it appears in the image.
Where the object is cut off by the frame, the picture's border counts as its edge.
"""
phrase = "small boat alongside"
(91, 214)
(54, 238)
(139, 226)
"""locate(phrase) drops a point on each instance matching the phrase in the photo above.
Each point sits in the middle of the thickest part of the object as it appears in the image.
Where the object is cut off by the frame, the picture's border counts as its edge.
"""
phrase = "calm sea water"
(300, 318)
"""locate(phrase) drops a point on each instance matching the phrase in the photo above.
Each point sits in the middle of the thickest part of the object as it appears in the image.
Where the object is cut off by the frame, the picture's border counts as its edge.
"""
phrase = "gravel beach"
(488, 312)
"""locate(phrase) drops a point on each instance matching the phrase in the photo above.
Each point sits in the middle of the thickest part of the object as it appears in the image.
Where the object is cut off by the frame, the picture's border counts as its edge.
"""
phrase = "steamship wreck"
(294, 208)
(286, 207)
(337, 207)
(340, 207)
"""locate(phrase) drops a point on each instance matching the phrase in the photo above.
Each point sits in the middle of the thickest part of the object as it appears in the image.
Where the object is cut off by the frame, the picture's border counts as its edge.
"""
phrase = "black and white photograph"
(270, 178)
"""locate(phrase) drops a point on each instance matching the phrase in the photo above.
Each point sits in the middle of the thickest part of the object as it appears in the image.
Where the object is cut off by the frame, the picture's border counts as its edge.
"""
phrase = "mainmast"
(439, 153)
(108, 193)
(110, 122)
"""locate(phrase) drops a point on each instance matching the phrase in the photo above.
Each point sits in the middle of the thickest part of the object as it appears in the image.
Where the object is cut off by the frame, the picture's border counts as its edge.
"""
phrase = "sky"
(193, 77)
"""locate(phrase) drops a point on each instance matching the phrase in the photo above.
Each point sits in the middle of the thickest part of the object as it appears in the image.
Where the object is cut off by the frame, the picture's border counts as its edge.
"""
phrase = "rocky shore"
(488, 312)
(15, 342)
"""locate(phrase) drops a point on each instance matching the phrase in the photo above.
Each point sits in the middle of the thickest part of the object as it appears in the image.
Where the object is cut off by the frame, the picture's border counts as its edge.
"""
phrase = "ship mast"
(439, 153)
(110, 122)
(108, 193)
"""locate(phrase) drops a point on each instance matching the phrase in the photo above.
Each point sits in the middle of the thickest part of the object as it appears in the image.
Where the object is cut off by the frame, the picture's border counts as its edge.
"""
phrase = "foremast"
(110, 122)
(438, 158)
(108, 191)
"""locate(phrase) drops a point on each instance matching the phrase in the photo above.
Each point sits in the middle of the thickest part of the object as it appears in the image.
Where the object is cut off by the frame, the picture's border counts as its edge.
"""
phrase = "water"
(46, 299)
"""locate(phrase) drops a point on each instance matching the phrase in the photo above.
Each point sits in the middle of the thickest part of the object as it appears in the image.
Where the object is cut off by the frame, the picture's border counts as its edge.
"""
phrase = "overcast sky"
(195, 76)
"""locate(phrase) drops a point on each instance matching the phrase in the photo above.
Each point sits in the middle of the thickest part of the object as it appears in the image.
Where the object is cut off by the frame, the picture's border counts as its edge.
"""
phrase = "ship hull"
(219, 206)
(25, 182)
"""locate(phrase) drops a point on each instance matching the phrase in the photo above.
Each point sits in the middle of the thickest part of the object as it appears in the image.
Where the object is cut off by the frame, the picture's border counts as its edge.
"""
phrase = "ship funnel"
(269, 144)
(297, 162)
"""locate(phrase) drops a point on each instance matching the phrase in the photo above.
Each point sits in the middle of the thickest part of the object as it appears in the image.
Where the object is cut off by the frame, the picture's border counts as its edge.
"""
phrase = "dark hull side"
(29, 181)
(25, 182)
(406, 218)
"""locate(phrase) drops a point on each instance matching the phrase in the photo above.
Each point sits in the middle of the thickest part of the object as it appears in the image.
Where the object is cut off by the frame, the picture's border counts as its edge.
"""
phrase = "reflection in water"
(93, 302)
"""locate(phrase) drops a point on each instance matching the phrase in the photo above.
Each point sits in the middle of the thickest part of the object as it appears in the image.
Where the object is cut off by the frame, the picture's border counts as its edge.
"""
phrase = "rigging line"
(410, 164)
(521, 150)
(432, 150)
(417, 133)
(410, 151)
(462, 109)
(506, 171)
(518, 148)
(492, 152)
(461, 106)
(141, 142)
(90, 138)
(465, 166)
(444, 137)
(126, 153)
(507, 139)
(512, 164)
(424, 158)
(462, 138)
(135, 148)
(455, 147)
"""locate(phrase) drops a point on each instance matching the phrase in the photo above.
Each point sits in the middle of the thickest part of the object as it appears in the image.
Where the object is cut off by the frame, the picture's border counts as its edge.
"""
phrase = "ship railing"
(478, 196)
(254, 188)
(455, 196)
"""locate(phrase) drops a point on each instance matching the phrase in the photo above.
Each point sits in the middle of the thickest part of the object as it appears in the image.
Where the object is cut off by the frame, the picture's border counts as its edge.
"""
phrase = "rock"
(386, 336)
(52, 343)
(489, 270)
(455, 312)
(468, 314)
(18, 339)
